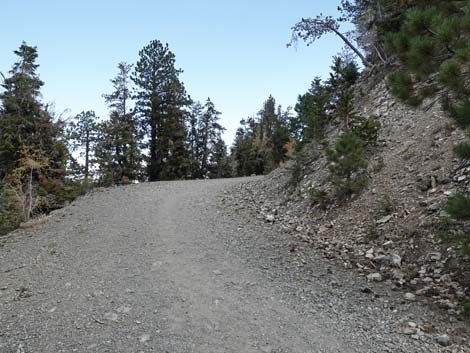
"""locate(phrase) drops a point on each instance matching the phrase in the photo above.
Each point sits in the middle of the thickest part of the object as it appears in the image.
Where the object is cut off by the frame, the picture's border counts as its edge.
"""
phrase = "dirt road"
(160, 267)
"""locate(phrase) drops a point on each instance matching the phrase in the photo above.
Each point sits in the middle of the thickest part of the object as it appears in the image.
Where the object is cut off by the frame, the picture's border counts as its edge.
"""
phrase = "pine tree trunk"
(153, 163)
(87, 155)
(365, 62)
(29, 198)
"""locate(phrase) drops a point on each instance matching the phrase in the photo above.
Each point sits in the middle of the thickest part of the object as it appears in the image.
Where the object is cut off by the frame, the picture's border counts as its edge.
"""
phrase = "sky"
(231, 51)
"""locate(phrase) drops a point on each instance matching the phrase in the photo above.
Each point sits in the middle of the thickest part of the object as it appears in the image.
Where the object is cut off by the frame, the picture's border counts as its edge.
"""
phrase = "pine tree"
(438, 36)
(209, 133)
(121, 134)
(328, 101)
(244, 148)
(344, 74)
(118, 100)
(311, 109)
(311, 29)
(272, 135)
(348, 164)
(83, 134)
(281, 136)
(195, 114)
(161, 102)
(24, 121)
(109, 169)
(260, 143)
(373, 18)
(219, 166)
(436, 33)
(27, 129)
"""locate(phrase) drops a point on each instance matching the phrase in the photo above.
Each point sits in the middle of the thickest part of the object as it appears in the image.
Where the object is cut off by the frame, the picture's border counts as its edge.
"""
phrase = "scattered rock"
(124, 309)
(410, 329)
(270, 218)
(266, 349)
(434, 207)
(435, 256)
(443, 340)
(396, 260)
(388, 243)
(384, 220)
(111, 316)
(144, 338)
(374, 277)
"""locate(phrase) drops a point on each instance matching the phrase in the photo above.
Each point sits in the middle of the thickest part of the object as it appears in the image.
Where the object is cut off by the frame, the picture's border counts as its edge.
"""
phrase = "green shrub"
(296, 175)
(454, 228)
(466, 308)
(463, 150)
(379, 165)
(387, 204)
(319, 197)
(458, 207)
(10, 215)
(401, 85)
(372, 232)
(348, 165)
(367, 129)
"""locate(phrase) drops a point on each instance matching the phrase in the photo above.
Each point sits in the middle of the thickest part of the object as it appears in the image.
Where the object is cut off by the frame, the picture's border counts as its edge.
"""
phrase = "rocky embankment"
(390, 234)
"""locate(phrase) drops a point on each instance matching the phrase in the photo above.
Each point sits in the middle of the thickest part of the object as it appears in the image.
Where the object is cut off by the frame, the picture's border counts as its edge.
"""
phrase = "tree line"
(155, 131)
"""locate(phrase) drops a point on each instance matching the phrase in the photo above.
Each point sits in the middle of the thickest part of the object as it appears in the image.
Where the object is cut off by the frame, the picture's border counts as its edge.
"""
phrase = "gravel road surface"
(163, 267)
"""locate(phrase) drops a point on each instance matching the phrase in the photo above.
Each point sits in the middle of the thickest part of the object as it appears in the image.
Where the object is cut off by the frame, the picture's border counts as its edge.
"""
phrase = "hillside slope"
(388, 233)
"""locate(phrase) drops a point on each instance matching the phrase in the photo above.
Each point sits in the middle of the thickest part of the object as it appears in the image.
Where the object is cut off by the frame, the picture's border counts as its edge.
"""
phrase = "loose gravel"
(170, 267)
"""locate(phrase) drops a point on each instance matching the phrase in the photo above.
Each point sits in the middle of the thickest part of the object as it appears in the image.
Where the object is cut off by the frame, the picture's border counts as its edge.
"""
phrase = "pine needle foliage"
(348, 165)
(433, 46)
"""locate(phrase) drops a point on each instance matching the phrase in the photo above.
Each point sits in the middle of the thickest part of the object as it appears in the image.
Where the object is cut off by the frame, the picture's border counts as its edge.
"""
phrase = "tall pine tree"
(24, 121)
(260, 143)
(195, 115)
(209, 133)
(161, 102)
(120, 135)
(83, 134)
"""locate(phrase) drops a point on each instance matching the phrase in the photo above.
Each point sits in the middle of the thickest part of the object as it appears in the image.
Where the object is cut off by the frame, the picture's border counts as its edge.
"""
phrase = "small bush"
(466, 308)
(10, 215)
(319, 197)
(296, 175)
(387, 204)
(367, 129)
(462, 150)
(401, 85)
(455, 227)
(458, 207)
(348, 165)
(379, 165)
(372, 232)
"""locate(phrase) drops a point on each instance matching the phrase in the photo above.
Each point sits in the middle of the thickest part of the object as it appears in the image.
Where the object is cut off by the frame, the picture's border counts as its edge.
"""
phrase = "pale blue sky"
(232, 51)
